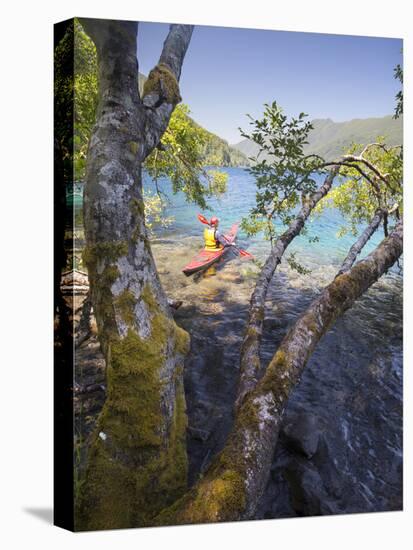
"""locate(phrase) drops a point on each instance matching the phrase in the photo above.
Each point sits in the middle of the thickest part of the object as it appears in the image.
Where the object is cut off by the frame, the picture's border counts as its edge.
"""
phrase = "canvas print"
(228, 274)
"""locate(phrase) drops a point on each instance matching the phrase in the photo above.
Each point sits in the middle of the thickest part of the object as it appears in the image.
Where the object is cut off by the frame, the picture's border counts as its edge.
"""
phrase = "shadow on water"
(215, 268)
(211, 373)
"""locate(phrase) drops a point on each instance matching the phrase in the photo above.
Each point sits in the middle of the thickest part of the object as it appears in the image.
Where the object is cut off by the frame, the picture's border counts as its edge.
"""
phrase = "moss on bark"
(216, 498)
(162, 81)
(137, 464)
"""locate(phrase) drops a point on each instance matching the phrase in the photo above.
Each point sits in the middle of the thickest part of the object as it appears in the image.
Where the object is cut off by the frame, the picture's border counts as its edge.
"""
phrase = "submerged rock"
(309, 496)
(198, 433)
(231, 277)
(174, 304)
(302, 433)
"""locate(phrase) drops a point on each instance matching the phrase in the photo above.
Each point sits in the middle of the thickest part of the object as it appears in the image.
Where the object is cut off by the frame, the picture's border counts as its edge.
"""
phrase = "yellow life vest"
(210, 242)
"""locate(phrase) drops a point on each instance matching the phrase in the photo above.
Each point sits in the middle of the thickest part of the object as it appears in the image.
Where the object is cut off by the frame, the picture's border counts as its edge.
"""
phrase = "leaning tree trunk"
(236, 479)
(137, 463)
(250, 365)
(361, 242)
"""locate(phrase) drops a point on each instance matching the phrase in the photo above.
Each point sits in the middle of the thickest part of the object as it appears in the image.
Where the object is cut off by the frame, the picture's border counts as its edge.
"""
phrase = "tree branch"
(175, 46)
(161, 90)
(360, 243)
(250, 361)
(379, 145)
(360, 171)
(236, 479)
(367, 163)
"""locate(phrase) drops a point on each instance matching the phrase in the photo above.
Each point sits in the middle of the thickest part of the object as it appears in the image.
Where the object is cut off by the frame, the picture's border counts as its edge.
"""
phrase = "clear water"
(236, 204)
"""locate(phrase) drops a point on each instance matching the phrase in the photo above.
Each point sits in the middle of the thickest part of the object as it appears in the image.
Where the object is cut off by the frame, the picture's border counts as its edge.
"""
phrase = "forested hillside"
(217, 151)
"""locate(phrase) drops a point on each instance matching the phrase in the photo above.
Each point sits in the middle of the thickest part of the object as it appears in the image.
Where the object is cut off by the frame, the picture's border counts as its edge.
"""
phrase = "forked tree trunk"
(137, 463)
(236, 479)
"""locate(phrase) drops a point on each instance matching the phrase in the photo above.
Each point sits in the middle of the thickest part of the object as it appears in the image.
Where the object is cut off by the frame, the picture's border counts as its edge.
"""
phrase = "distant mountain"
(330, 139)
(217, 151)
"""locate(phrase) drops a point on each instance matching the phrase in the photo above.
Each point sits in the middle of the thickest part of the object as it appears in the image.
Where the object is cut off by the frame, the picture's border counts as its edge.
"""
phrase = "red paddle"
(202, 219)
(242, 252)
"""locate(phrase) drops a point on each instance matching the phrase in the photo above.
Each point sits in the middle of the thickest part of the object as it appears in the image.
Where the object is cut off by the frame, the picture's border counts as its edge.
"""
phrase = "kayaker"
(213, 239)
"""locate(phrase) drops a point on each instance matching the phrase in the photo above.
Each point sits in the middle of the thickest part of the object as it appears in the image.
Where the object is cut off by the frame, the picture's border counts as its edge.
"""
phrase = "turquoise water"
(237, 202)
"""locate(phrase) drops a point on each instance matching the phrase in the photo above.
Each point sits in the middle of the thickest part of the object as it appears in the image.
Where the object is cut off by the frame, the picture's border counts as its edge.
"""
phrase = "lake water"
(351, 387)
(236, 204)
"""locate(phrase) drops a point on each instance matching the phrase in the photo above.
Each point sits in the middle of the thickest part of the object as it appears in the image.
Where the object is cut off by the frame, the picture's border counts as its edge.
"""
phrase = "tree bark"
(160, 94)
(250, 361)
(361, 242)
(137, 463)
(236, 479)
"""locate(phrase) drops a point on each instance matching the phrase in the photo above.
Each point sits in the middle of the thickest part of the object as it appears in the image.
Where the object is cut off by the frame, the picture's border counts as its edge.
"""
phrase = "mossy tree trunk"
(233, 484)
(137, 463)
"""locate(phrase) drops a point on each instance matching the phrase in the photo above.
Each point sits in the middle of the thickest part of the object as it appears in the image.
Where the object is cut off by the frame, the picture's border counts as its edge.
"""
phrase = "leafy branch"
(296, 266)
(284, 174)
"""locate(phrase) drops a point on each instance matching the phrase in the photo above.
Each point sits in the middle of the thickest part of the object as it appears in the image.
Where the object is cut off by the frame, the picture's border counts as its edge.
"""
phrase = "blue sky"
(229, 72)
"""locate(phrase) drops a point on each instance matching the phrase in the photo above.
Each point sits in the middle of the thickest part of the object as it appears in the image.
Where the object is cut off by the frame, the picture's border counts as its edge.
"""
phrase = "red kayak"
(205, 258)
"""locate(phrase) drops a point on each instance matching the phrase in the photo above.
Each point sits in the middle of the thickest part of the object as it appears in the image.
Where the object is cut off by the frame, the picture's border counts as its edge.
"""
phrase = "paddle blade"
(245, 254)
(202, 219)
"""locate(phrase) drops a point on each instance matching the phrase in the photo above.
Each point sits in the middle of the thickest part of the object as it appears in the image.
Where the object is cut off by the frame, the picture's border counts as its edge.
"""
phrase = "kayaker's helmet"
(214, 221)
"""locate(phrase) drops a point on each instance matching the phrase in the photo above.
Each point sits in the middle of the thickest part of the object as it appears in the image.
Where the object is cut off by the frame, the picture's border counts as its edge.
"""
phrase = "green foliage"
(63, 99)
(180, 158)
(398, 74)
(283, 172)
(356, 197)
(296, 266)
(154, 212)
(371, 177)
(217, 182)
(254, 224)
(217, 152)
(85, 97)
(330, 139)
